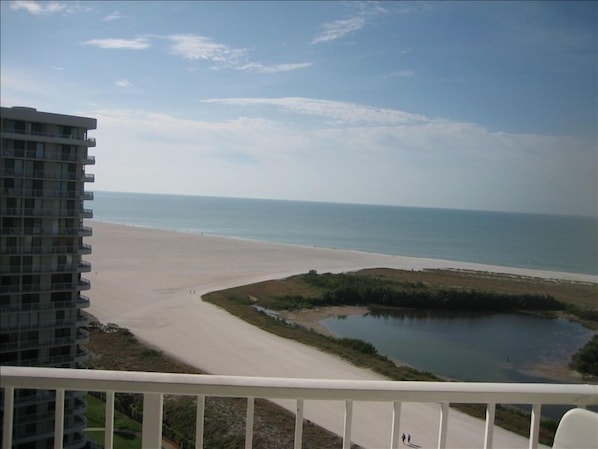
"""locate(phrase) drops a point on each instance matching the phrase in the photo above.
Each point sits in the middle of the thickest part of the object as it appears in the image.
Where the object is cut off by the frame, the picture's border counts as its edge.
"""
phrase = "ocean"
(545, 242)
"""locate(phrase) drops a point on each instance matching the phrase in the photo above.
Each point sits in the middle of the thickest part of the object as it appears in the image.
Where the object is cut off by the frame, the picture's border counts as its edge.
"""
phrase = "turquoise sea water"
(546, 242)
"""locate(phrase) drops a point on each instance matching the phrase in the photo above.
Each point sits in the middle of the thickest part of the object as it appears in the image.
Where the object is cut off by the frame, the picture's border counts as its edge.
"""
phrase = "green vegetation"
(224, 424)
(347, 289)
(586, 360)
(430, 289)
(128, 435)
(225, 417)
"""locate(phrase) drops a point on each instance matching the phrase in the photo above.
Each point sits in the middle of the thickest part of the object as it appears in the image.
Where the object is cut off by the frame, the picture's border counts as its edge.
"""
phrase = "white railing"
(154, 386)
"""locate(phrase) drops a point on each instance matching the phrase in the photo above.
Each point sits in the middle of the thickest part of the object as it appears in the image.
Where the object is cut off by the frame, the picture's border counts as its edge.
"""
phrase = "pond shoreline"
(312, 319)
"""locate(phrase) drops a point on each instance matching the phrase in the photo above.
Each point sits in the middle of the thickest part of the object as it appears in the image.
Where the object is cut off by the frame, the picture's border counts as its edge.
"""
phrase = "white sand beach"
(151, 282)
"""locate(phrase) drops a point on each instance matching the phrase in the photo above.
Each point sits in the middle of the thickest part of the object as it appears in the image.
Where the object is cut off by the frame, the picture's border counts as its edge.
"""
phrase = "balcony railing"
(82, 231)
(81, 302)
(20, 153)
(24, 325)
(154, 386)
(44, 174)
(80, 337)
(79, 267)
(60, 137)
(38, 249)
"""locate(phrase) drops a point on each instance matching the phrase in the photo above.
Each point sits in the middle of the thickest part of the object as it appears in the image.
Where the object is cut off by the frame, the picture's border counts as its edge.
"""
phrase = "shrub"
(359, 345)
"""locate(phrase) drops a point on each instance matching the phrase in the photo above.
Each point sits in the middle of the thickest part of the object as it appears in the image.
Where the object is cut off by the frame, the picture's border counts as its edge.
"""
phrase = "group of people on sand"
(408, 437)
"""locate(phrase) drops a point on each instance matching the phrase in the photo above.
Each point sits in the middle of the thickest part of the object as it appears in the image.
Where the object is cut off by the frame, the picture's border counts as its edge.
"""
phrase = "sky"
(464, 105)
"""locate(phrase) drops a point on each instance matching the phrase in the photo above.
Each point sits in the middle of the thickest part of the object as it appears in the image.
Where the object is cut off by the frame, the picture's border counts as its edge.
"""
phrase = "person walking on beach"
(409, 439)
(403, 438)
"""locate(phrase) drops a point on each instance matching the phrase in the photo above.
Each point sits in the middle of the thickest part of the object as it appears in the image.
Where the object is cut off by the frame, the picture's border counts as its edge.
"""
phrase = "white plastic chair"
(578, 429)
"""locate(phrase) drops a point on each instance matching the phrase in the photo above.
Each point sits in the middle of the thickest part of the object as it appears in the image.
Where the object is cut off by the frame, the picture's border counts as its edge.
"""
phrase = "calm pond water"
(467, 346)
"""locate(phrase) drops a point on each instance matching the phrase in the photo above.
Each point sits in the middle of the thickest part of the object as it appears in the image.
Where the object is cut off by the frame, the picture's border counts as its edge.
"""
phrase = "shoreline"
(151, 282)
(312, 318)
(416, 260)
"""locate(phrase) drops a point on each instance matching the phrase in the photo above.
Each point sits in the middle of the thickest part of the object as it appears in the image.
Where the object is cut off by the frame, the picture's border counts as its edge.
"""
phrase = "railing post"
(199, 421)
(298, 442)
(442, 431)
(151, 432)
(59, 419)
(348, 422)
(9, 404)
(534, 428)
(249, 423)
(489, 432)
(396, 421)
(109, 421)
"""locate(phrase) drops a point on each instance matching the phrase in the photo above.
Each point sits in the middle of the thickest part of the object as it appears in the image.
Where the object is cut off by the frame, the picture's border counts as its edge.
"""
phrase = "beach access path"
(151, 282)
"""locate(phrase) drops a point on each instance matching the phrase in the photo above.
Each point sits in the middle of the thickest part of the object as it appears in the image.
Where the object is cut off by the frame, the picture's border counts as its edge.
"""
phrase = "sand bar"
(151, 282)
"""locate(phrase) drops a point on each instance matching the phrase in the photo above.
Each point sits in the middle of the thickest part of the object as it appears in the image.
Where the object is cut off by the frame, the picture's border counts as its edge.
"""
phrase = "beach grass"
(224, 417)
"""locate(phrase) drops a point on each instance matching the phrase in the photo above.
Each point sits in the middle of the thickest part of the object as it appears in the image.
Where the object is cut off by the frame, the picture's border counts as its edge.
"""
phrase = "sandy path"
(151, 282)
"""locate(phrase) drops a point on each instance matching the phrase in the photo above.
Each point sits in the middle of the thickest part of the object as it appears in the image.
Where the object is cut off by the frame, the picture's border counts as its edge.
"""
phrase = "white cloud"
(195, 47)
(57, 68)
(47, 7)
(275, 68)
(114, 16)
(338, 29)
(127, 44)
(37, 8)
(424, 162)
(201, 48)
(123, 83)
(339, 112)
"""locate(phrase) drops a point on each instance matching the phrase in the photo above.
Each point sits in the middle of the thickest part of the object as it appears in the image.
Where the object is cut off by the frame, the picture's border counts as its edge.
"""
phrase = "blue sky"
(470, 105)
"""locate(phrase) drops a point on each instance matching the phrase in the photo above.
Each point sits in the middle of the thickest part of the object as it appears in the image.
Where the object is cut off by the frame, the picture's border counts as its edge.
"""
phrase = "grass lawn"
(96, 419)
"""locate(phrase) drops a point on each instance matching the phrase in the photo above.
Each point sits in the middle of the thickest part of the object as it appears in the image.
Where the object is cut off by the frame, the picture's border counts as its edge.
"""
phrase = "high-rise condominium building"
(42, 178)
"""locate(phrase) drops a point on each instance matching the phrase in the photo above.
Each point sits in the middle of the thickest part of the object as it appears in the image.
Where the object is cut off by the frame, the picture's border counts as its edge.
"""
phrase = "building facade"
(42, 178)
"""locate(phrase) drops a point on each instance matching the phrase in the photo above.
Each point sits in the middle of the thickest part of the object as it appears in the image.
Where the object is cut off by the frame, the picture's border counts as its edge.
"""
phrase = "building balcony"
(81, 231)
(345, 393)
(84, 249)
(81, 302)
(81, 285)
(79, 321)
(86, 213)
(49, 137)
(33, 212)
(82, 337)
(45, 155)
(43, 174)
(82, 354)
(78, 267)
(59, 249)
(43, 193)
(82, 320)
